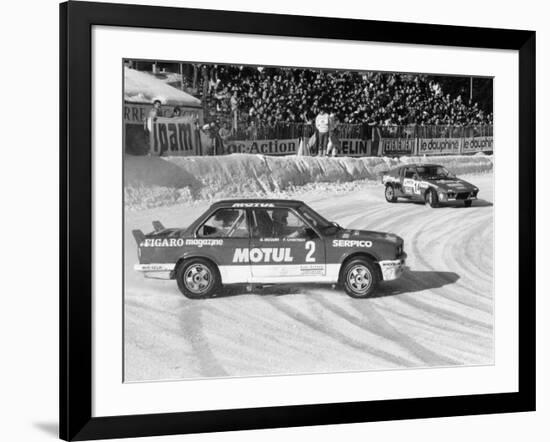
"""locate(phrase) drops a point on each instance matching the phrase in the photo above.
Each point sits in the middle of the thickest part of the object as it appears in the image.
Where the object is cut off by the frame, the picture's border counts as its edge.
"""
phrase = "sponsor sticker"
(179, 242)
(163, 242)
(312, 269)
(253, 205)
(351, 243)
(263, 254)
(203, 242)
(155, 267)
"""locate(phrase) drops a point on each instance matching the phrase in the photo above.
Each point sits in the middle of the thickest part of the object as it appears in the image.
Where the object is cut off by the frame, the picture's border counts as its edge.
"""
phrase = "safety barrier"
(182, 136)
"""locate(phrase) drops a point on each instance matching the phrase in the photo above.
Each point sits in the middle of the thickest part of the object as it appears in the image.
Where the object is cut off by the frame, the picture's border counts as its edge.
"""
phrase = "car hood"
(453, 184)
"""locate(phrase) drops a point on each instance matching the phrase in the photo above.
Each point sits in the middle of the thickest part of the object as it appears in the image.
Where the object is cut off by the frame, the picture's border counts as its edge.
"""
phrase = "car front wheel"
(360, 278)
(198, 278)
(431, 198)
(390, 194)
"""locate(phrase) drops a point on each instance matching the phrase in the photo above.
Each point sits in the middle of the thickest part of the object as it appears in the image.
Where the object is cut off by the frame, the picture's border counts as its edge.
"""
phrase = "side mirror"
(332, 229)
(310, 233)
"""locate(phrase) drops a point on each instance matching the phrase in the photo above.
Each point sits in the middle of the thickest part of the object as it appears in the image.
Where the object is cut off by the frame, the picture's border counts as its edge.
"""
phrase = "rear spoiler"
(139, 236)
(157, 225)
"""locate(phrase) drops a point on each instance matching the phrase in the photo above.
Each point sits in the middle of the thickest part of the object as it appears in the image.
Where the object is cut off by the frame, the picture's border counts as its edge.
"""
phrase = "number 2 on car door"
(310, 247)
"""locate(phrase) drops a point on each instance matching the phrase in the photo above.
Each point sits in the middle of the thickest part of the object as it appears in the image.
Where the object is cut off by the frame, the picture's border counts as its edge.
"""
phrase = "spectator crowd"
(268, 96)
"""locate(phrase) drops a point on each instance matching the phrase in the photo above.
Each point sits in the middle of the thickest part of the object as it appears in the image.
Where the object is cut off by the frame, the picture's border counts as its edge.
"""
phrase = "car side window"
(409, 173)
(225, 223)
(277, 223)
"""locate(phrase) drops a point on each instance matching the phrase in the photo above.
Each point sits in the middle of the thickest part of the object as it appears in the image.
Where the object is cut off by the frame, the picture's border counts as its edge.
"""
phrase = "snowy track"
(440, 313)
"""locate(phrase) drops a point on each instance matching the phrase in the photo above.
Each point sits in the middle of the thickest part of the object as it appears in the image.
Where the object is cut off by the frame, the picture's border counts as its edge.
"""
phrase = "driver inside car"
(281, 228)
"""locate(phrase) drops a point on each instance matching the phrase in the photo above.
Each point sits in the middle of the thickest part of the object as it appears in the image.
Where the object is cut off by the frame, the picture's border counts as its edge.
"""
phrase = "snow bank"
(141, 87)
(153, 182)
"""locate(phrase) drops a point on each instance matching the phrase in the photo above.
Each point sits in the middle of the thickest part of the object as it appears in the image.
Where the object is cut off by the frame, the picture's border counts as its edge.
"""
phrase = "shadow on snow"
(411, 281)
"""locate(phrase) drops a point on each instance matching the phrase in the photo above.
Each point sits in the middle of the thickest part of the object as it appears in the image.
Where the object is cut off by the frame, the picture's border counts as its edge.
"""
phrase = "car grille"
(462, 195)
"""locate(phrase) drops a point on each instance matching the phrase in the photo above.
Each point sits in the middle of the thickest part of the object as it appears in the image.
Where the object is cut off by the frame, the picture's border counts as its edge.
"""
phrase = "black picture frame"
(76, 21)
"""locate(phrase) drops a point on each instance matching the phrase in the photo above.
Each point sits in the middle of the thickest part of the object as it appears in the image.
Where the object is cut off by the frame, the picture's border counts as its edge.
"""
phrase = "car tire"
(389, 193)
(468, 203)
(360, 277)
(198, 278)
(431, 198)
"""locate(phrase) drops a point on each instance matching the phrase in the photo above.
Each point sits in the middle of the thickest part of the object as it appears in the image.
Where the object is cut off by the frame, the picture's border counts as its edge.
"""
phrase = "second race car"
(430, 183)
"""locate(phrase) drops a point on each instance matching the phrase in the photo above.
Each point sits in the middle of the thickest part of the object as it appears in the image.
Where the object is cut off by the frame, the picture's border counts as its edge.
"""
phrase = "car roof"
(258, 202)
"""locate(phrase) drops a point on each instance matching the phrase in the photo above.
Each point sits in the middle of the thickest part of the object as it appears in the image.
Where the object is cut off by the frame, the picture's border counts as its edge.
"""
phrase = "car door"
(223, 237)
(284, 247)
(408, 181)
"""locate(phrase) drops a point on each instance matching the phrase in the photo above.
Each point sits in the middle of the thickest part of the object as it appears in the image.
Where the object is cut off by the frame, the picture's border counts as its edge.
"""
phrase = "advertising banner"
(265, 147)
(136, 113)
(349, 147)
(353, 147)
(396, 146)
(439, 146)
(477, 144)
(175, 136)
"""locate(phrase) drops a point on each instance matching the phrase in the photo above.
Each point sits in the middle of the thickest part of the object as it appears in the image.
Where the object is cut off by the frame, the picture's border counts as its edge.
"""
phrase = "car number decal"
(310, 246)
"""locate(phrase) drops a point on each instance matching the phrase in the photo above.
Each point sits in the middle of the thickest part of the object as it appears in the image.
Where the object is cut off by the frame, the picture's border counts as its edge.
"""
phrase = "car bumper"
(392, 269)
(461, 196)
(154, 267)
(155, 271)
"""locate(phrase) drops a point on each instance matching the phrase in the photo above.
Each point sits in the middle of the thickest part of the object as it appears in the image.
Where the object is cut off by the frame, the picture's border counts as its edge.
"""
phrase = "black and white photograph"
(290, 220)
(260, 221)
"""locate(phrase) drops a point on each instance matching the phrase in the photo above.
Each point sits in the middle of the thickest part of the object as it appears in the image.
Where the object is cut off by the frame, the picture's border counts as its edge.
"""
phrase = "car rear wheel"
(431, 198)
(360, 278)
(198, 278)
(468, 203)
(390, 194)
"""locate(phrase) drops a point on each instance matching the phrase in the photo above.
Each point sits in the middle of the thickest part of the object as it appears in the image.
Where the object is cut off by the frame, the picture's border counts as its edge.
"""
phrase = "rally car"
(430, 183)
(264, 242)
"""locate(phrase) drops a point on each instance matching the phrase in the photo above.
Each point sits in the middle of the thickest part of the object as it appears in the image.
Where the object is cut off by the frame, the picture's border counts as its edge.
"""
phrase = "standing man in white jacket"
(333, 138)
(322, 125)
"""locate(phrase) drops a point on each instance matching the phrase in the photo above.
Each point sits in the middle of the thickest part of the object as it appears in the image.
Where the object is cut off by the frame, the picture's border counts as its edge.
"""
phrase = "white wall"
(29, 219)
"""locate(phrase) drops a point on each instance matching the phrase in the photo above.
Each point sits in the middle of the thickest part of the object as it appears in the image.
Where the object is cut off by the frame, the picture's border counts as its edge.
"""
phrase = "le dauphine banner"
(433, 146)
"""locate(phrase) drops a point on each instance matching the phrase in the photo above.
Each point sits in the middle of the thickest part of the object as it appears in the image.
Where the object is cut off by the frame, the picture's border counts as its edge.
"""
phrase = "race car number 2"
(310, 246)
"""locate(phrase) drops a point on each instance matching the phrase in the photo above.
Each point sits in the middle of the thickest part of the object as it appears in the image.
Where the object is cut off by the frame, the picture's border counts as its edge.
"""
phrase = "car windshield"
(432, 172)
(314, 218)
